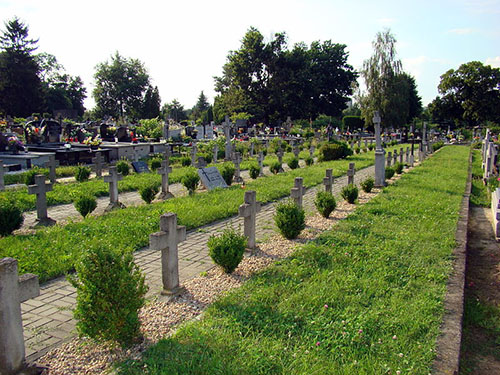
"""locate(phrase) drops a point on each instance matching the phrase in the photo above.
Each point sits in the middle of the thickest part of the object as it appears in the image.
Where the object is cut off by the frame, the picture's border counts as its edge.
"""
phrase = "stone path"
(48, 319)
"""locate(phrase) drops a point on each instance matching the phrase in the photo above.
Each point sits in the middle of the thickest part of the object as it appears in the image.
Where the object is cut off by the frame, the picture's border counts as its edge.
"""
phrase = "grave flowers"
(15, 145)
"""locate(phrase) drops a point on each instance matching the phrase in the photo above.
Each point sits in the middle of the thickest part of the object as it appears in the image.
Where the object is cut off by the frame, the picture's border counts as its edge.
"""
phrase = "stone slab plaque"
(140, 167)
(211, 178)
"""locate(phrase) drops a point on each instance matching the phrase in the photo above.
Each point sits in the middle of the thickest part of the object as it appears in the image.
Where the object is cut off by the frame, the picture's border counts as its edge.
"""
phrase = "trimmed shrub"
(85, 204)
(82, 173)
(148, 192)
(371, 147)
(123, 167)
(436, 146)
(275, 167)
(293, 163)
(190, 181)
(254, 171)
(398, 167)
(334, 151)
(389, 173)
(325, 203)
(290, 219)
(309, 160)
(11, 217)
(185, 161)
(155, 164)
(493, 183)
(357, 150)
(207, 156)
(29, 176)
(227, 173)
(349, 193)
(367, 185)
(110, 292)
(227, 249)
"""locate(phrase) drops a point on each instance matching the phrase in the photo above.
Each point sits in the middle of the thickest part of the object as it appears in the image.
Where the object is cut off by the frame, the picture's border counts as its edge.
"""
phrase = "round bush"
(309, 161)
(349, 193)
(190, 181)
(371, 147)
(227, 249)
(357, 150)
(290, 219)
(207, 156)
(148, 192)
(389, 172)
(293, 163)
(334, 151)
(275, 167)
(29, 176)
(367, 185)
(82, 173)
(155, 164)
(123, 167)
(254, 171)
(11, 217)
(227, 173)
(85, 204)
(325, 203)
(185, 161)
(399, 168)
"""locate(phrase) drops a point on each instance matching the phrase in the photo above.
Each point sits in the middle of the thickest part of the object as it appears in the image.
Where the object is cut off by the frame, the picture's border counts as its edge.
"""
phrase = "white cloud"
(462, 31)
(493, 61)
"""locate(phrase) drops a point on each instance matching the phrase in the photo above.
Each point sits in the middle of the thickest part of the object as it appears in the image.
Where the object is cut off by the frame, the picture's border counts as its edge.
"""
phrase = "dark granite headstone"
(211, 178)
(140, 167)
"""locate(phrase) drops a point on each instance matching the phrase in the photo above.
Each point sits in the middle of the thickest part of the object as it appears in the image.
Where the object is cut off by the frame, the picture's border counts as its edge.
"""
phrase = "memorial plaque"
(211, 178)
(140, 167)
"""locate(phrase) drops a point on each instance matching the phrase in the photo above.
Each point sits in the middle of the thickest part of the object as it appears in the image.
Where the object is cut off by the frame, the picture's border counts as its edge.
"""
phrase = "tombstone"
(328, 180)
(279, 154)
(248, 211)
(260, 160)
(251, 149)
(136, 154)
(54, 130)
(311, 151)
(51, 164)
(40, 189)
(216, 151)
(350, 174)
(407, 158)
(201, 163)
(395, 157)
(366, 143)
(359, 141)
(166, 241)
(122, 134)
(164, 171)
(13, 291)
(2, 182)
(401, 152)
(389, 158)
(237, 162)
(296, 151)
(227, 133)
(211, 178)
(112, 178)
(298, 191)
(352, 144)
(140, 167)
(424, 140)
(97, 162)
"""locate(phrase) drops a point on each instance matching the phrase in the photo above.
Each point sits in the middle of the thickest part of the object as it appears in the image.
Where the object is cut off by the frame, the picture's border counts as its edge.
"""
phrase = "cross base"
(44, 222)
(168, 294)
(113, 206)
(238, 179)
(165, 195)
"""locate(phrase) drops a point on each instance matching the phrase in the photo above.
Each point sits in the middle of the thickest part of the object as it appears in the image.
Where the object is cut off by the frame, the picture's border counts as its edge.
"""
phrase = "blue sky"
(184, 43)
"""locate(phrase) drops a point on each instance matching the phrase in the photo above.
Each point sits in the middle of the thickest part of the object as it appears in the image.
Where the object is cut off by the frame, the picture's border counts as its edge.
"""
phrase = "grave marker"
(328, 180)
(227, 133)
(407, 158)
(379, 153)
(216, 151)
(112, 178)
(40, 189)
(166, 241)
(279, 154)
(251, 148)
(164, 171)
(211, 178)
(193, 154)
(389, 158)
(298, 191)
(401, 152)
(140, 167)
(350, 174)
(97, 162)
(311, 151)
(51, 165)
(237, 162)
(395, 157)
(296, 151)
(260, 160)
(248, 211)
(201, 163)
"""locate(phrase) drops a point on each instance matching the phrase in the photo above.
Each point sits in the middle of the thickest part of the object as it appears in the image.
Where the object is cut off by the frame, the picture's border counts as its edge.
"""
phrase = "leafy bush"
(227, 173)
(371, 147)
(254, 171)
(357, 150)
(325, 203)
(309, 160)
(148, 192)
(185, 161)
(11, 217)
(110, 291)
(334, 151)
(155, 164)
(290, 219)
(85, 204)
(29, 177)
(82, 173)
(349, 193)
(293, 163)
(436, 146)
(365, 149)
(367, 185)
(493, 183)
(275, 167)
(227, 249)
(398, 167)
(190, 181)
(389, 173)
(207, 156)
(123, 167)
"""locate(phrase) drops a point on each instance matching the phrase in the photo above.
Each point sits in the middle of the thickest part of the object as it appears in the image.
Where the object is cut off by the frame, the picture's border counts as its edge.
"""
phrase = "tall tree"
(174, 110)
(152, 103)
(120, 87)
(200, 109)
(20, 86)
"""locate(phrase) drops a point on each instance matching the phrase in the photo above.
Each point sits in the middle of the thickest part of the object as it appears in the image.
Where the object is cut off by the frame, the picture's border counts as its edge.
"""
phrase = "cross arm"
(28, 287)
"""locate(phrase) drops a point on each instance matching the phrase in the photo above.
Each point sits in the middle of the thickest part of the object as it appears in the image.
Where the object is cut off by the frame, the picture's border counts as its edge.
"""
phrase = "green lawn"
(480, 196)
(364, 298)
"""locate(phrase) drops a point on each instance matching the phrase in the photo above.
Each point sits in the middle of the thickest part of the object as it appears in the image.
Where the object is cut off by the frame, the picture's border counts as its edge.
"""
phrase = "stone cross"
(328, 180)
(395, 157)
(97, 161)
(389, 158)
(311, 150)
(193, 154)
(237, 162)
(167, 153)
(13, 291)
(164, 171)
(298, 191)
(201, 163)
(113, 179)
(407, 158)
(359, 141)
(216, 151)
(296, 151)
(260, 160)
(227, 133)
(350, 174)
(40, 189)
(379, 153)
(136, 154)
(248, 211)
(279, 154)
(166, 241)
(352, 144)
(366, 143)
(2, 183)
(51, 165)
(251, 149)
(401, 152)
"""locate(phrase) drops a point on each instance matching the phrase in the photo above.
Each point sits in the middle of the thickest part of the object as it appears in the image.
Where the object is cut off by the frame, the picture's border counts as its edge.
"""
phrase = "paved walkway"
(48, 319)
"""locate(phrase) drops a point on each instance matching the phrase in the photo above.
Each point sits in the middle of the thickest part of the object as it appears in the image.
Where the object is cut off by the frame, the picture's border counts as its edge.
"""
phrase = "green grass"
(53, 251)
(381, 273)
(480, 195)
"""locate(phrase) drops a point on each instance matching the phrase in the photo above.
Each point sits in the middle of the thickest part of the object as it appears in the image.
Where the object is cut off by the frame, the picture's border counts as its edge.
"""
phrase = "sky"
(184, 43)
